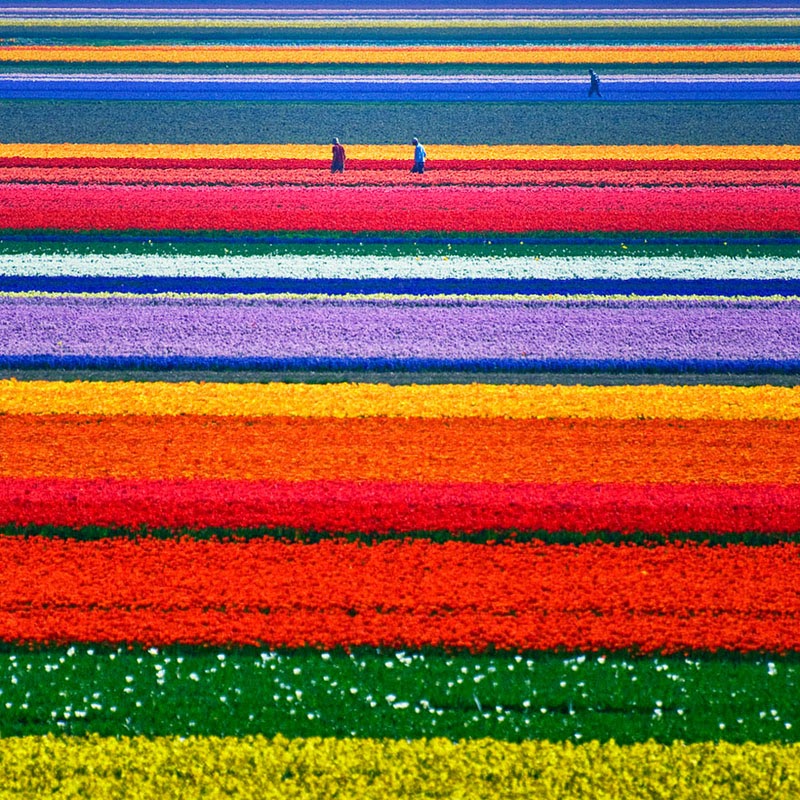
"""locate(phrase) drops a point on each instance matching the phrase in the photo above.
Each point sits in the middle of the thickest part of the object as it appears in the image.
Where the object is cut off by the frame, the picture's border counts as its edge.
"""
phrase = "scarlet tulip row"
(668, 598)
(400, 208)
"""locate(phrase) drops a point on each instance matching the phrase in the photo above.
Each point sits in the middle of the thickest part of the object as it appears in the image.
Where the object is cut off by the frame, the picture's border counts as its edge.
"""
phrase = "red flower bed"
(509, 209)
(355, 164)
(373, 506)
(402, 594)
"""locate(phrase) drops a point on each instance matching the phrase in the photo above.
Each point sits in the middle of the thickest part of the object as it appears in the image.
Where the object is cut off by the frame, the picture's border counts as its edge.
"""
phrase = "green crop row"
(530, 245)
(382, 693)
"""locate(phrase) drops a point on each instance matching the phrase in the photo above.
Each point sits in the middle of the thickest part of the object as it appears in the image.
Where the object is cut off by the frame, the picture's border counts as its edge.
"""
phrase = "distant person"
(594, 84)
(419, 157)
(339, 157)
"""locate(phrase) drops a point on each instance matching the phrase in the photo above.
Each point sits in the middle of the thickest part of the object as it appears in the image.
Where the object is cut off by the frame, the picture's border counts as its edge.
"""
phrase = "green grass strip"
(380, 693)
(93, 533)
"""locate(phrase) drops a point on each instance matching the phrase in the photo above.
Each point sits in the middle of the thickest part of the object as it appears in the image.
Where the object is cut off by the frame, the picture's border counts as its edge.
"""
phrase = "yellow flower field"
(350, 400)
(443, 152)
(302, 769)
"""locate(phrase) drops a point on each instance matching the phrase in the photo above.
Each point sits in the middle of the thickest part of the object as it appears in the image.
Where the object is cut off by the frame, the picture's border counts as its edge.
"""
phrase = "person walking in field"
(339, 157)
(594, 84)
(419, 156)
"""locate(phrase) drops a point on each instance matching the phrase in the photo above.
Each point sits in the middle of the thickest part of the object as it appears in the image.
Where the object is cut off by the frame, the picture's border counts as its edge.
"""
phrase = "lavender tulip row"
(275, 331)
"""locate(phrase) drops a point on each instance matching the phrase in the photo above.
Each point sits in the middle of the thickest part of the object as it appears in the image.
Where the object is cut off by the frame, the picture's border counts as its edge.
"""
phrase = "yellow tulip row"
(350, 400)
(301, 769)
(442, 152)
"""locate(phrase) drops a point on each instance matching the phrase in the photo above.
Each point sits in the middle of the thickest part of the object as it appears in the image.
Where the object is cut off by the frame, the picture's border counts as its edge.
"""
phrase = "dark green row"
(94, 533)
(609, 35)
(202, 122)
(410, 245)
(380, 693)
(426, 377)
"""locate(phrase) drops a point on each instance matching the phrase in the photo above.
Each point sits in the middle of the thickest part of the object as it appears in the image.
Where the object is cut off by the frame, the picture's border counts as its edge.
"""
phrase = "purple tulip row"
(451, 329)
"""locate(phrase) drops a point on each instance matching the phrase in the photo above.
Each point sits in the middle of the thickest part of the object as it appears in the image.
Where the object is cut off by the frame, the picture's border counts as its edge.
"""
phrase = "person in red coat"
(339, 157)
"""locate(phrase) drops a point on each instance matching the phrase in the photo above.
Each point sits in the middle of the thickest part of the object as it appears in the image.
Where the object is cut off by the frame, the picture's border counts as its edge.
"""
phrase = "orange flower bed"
(433, 450)
(229, 54)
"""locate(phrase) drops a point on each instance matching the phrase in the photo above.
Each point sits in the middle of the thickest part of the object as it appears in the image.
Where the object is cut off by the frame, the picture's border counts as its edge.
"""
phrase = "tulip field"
(482, 482)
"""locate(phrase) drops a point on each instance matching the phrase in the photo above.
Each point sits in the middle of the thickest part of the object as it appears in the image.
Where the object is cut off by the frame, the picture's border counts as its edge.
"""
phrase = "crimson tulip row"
(404, 507)
(400, 208)
(493, 165)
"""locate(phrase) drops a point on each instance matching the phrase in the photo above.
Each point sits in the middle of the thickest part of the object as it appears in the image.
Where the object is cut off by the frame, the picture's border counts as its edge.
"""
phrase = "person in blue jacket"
(419, 156)
(594, 83)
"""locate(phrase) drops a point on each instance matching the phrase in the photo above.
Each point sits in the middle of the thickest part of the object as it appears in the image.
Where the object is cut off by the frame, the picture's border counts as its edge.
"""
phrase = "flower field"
(482, 482)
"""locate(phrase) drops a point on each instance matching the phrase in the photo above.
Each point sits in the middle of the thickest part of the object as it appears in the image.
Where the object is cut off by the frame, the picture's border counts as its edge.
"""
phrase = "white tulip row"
(365, 267)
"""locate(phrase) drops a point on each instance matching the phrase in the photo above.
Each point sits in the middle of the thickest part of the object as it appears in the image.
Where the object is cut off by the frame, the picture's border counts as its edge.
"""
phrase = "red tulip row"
(355, 165)
(452, 208)
(382, 507)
